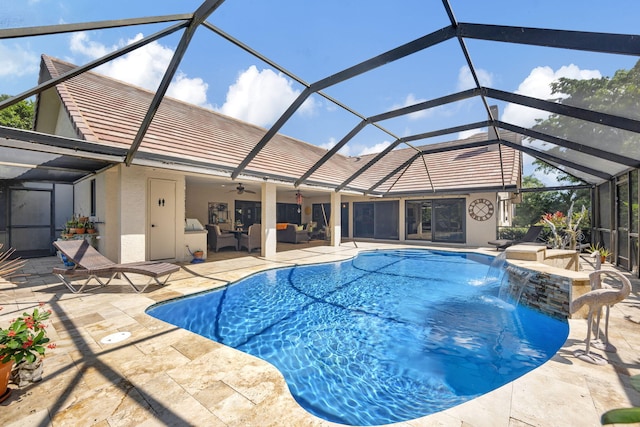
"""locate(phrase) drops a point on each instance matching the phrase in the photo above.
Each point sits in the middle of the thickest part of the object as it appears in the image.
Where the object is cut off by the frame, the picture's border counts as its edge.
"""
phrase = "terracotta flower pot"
(5, 374)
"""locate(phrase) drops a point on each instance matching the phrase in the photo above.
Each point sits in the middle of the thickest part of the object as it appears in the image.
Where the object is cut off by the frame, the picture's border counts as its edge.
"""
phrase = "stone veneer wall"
(545, 292)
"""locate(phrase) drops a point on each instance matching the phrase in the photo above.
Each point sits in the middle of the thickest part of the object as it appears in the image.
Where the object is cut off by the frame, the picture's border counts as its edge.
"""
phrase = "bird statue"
(597, 298)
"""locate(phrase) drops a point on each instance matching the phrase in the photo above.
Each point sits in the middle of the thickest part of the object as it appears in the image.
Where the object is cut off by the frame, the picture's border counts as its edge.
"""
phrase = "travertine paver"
(162, 375)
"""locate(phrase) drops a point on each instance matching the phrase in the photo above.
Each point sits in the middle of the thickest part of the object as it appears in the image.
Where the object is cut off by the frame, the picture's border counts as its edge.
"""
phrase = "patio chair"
(530, 237)
(253, 239)
(90, 264)
(217, 240)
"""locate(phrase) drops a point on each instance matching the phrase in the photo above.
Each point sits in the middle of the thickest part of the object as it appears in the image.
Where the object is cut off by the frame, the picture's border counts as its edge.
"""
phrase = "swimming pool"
(385, 337)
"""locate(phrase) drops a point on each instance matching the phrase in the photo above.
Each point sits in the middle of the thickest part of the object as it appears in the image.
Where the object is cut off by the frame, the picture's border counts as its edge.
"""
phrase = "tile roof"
(107, 111)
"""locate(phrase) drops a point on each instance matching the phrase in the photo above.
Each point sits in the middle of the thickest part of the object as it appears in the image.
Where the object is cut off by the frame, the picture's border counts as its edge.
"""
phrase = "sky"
(314, 42)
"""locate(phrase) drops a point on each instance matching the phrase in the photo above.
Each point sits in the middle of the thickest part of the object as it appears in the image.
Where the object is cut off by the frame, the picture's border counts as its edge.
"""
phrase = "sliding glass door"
(378, 220)
(435, 220)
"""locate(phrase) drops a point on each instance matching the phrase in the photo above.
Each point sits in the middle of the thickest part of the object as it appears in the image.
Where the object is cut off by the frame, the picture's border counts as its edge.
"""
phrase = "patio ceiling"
(583, 156)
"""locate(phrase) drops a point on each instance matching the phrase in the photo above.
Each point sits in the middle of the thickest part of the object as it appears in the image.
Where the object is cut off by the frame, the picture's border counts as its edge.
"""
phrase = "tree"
(618, 95)
(19, 115)
(578, 198)
(535, 204)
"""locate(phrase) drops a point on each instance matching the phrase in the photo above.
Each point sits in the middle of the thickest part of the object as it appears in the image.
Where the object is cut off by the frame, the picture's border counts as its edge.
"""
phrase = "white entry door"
(162, 219)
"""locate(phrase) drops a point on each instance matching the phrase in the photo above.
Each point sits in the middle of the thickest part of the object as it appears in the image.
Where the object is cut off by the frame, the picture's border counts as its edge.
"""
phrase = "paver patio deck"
(163, 375)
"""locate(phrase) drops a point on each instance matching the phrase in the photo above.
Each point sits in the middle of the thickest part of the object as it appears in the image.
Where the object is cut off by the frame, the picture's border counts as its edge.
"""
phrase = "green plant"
(9, 266)
(604, 252)
(25, 338)
(564, 228)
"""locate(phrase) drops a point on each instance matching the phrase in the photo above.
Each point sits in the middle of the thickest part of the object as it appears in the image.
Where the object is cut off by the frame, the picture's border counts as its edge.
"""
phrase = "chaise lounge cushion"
(530, 238)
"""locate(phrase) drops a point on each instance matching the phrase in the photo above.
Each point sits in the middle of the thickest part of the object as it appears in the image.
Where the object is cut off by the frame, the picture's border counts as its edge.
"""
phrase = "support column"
(402, 218)
(268, 207)
(336, 218)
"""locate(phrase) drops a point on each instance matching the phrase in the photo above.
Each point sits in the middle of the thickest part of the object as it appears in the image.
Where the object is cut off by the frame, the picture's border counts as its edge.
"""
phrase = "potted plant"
(23, 342)
(91, 228)
(71, 225)
(604, 252)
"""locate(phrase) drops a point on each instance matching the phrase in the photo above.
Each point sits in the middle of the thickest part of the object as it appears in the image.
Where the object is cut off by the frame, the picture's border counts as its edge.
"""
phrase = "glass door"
(449, 220)
(418, 220)
(623, 205)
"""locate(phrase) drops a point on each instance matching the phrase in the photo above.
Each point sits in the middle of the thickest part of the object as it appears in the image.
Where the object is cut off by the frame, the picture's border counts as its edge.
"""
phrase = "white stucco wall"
(480, 232)
(121, 209)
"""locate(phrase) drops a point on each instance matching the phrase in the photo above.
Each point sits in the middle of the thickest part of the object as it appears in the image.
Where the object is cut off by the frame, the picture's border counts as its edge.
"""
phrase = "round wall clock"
(481, 209)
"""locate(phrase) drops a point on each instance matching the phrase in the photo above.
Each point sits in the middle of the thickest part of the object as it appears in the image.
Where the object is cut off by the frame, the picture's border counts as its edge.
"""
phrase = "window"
(247, 213)
(288, 212)
(321, 212)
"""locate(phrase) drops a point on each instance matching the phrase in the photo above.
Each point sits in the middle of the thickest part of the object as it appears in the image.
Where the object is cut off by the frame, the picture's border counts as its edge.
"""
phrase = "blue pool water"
(386, 337)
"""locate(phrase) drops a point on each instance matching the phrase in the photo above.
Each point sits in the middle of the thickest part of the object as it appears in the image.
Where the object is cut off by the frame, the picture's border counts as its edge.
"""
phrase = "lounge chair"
(217, 240)
(92, 265)
(252, 240)
(530, 237)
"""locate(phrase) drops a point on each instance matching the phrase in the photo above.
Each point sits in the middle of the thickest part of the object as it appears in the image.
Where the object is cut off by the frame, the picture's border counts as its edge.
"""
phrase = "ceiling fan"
(240, 189)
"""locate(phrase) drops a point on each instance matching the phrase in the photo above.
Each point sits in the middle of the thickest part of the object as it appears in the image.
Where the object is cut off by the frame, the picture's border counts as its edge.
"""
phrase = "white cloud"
(468, 133)
(82, 44)
(260, 97)
(193, 90)
(374, 149)
(345, 151)
(143, 67)
(355, 149)
(17, 61)
(538, 85)
(465, 78)
(411, 100)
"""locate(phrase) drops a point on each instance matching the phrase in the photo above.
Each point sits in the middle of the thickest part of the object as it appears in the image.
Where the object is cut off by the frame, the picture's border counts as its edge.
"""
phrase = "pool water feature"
(388, 336)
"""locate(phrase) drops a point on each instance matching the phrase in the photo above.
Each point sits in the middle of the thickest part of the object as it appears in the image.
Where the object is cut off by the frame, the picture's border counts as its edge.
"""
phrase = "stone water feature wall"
(551, 278)
(544, 292)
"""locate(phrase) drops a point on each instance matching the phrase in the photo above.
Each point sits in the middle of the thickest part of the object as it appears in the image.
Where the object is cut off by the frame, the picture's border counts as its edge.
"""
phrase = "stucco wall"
(121, 209)
(480, 232)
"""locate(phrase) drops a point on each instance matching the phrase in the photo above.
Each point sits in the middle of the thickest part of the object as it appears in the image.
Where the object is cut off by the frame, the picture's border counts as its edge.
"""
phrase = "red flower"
(27, 344)
(52, 346)
(12, 333)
